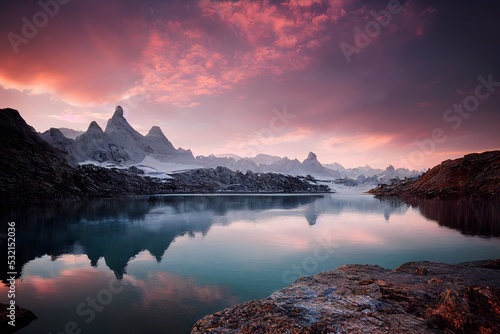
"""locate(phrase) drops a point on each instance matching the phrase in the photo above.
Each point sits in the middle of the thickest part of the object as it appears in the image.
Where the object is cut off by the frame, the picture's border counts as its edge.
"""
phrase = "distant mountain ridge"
(34, 171)
(120, 143)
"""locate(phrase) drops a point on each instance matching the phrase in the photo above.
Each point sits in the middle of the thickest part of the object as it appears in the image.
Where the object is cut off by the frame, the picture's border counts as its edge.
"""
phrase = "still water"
(156, 265)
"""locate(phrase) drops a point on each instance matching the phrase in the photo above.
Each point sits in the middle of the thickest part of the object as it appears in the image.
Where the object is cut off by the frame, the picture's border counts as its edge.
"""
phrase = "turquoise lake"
(158, 264)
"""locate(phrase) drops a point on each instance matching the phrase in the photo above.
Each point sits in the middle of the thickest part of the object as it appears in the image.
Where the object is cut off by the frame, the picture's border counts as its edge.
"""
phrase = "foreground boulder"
(417, 297)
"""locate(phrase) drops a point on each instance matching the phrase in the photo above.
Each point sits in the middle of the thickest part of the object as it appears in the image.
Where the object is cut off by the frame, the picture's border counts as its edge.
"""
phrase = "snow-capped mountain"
(119, 143)
(309, 166)
(335, 166)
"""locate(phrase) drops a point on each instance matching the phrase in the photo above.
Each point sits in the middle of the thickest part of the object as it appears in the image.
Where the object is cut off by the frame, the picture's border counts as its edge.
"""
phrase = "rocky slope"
(418, 297)
(30, 167)
(32, 171)
(473, 175)
(222, 179)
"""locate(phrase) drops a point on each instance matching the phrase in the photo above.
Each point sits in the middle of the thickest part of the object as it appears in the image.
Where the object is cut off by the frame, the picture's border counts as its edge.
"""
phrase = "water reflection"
(118, 229)
(471, 216)
(182, 257)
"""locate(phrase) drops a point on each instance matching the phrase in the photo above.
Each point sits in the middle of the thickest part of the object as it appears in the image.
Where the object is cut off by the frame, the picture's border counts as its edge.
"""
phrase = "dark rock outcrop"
(29, 166)
(23, 319)
(223, 179)
(417, 297)
(475, 174)
(57, 140)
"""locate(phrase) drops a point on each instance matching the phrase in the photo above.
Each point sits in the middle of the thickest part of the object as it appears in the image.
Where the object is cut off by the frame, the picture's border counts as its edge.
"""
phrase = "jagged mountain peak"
(118, 126)
(155, 131)
(94, 127)
(312, 159)
(312, 156)
(118, 112)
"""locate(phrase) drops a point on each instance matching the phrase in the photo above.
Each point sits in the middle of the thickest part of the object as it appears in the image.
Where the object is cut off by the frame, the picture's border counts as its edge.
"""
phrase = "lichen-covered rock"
(417, 297)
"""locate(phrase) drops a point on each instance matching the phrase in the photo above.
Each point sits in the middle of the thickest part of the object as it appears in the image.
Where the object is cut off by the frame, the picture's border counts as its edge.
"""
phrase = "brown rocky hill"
(475, 174)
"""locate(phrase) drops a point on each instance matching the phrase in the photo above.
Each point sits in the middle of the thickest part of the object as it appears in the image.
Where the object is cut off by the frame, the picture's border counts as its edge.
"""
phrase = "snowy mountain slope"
(94, 144)
(120, 145)
(121, 134)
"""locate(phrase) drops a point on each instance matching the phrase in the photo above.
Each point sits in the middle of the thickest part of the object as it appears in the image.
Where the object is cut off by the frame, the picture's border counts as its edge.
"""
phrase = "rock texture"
(473, 175)
(417, 297)
(223, 179)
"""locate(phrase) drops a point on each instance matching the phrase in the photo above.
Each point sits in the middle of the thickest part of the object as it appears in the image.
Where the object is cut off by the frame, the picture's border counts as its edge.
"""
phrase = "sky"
(408, 83)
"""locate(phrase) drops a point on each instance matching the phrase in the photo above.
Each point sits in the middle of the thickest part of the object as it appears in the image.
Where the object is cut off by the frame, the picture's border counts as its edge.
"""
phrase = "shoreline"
(416, 297)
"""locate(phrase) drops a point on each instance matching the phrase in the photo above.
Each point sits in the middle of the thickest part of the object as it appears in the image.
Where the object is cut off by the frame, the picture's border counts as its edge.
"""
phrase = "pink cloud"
(183, 62)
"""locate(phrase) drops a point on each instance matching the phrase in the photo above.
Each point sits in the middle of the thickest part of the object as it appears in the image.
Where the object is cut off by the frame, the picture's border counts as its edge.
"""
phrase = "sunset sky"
(356, 82)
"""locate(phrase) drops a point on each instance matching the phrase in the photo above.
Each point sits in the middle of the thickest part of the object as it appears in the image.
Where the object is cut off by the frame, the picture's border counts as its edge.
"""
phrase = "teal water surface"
(158, 264)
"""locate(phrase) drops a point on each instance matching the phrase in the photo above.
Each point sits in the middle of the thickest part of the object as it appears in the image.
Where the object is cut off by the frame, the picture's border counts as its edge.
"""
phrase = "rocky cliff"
(473, 175)
(417, 297)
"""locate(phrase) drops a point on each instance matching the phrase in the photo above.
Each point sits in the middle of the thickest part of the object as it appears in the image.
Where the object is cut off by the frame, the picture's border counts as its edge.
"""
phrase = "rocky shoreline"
(417, 297)
(476, 174)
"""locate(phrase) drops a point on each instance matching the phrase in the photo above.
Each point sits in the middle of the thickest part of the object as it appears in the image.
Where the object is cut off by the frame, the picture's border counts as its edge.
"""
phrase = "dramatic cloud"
(372, 77)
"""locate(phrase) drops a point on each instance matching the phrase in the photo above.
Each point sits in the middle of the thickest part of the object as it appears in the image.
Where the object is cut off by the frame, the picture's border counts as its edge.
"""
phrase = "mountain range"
(119, 142)
(121, 145)
(33, 171)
